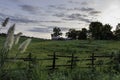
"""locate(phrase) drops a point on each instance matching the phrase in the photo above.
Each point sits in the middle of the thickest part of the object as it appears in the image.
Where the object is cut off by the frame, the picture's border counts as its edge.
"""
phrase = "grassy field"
(38, 46)
(82, 48)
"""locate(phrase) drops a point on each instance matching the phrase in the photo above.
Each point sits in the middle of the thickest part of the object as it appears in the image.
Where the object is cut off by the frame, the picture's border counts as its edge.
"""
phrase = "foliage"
(117, 32)
(82, 34)
(72, 34)
(96, 29)
(106, 32)
(56, 32)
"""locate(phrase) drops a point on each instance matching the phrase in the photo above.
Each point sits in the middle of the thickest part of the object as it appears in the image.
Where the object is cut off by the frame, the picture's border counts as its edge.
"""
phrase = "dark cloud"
(62, 15)
(79, 9)
(59, 15)
(74, 16)
(29, 8)
(17, 19)
(22, 20)
(78, 17)
(87, 9)
(73, 2)
(68, 19)
(95, 12)
(84, 14)
(52, 6)
(58, 7)
(91, 11)
(52, 21)
(85, 20)
(46, 29)
(77, 2)
(42, 30)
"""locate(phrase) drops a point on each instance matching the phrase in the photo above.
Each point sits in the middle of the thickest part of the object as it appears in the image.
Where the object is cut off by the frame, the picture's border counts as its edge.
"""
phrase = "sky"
(37, 18)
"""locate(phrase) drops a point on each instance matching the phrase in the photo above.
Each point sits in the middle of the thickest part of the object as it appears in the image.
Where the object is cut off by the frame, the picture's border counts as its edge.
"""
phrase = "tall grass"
(5, 73)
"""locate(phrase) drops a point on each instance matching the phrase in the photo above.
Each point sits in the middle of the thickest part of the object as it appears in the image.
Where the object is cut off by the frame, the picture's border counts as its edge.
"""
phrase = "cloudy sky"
(38, 17)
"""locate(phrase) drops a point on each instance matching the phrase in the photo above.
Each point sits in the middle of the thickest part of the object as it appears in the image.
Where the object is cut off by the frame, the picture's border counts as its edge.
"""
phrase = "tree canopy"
(56, 32)
(97, 29)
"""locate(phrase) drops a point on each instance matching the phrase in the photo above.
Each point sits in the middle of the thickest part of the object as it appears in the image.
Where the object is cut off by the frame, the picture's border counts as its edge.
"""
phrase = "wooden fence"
(73, 60)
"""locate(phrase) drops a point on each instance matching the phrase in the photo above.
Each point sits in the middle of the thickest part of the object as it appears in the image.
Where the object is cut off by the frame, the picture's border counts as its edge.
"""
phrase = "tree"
(106, 32)
(56, 32)
(96, 29)
(82, 34)
(118, 26)
(72, 33)
(117, 32)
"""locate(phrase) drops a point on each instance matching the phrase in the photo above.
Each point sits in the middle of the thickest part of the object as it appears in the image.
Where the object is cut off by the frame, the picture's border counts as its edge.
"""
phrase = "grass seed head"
(24, 45)
(5, 22)
(17, 37)
(10, 38)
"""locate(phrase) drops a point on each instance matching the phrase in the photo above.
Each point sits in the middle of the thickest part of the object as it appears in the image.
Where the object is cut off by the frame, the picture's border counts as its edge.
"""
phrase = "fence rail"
(72, 61)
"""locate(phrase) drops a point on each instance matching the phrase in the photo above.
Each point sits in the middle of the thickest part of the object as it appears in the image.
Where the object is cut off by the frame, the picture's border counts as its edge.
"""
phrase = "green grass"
(38, 46)
(41, 48)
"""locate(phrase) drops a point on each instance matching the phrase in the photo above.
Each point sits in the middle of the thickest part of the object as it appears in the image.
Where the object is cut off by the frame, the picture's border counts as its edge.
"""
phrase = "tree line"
(97, 29)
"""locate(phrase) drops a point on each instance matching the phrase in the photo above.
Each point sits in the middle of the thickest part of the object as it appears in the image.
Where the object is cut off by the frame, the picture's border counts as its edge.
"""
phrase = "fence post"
(29, 66)
(93, 65)
(54, 61)
(72, 61)
(111, 66)
(92, 62)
